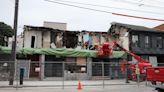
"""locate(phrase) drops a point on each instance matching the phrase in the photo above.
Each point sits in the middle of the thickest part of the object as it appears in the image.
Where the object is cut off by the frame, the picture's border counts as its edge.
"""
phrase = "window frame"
(147, 41)
(159, 42)
(134, 41)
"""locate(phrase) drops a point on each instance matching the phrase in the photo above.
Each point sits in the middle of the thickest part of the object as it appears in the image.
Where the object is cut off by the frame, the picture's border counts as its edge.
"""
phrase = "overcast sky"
(35, 12)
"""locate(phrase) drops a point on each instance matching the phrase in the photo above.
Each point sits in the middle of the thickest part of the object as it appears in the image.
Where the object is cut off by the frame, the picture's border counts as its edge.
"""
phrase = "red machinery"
(146, 70)
(106, 50)
(142, 66)
(155, 74)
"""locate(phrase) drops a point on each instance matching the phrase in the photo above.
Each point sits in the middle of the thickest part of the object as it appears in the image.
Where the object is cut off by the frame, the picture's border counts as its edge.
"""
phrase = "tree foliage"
(5, 32)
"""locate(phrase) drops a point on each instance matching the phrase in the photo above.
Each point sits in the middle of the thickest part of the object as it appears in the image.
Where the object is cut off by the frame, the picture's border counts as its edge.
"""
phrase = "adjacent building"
(145, 42)
(159, 27)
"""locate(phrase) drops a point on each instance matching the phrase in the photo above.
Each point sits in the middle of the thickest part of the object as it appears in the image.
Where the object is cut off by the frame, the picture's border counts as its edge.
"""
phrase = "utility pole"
(14, 43)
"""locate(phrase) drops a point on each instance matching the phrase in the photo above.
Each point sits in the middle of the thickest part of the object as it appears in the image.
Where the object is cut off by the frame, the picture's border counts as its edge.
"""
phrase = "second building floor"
(139, 39)
(43, 37)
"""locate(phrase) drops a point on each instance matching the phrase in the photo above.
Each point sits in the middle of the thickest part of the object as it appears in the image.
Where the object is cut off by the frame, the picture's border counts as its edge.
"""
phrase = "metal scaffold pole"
(103, 74)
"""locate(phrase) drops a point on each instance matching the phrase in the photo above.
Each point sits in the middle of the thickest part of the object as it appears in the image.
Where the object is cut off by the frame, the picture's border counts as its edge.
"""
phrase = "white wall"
(124, 41)
(10, 42)
(27, 38)
(56, 25)
(19, 41)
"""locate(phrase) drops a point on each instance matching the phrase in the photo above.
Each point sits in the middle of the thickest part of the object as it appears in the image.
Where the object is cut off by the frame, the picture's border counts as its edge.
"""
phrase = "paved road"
(114, 88)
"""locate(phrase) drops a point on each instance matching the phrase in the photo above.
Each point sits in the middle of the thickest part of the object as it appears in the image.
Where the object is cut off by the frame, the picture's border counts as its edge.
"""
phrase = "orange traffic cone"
(79, 86)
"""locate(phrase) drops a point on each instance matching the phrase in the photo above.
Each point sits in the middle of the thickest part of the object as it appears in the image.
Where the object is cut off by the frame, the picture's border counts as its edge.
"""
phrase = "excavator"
(145, 69)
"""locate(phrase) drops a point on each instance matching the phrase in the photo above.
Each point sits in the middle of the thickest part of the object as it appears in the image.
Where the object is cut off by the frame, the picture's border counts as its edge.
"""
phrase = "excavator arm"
(132, 54)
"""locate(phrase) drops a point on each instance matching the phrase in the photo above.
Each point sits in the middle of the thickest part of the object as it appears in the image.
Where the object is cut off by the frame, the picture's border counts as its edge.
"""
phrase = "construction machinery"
(156, 76)
(106, 50)
(145, 69)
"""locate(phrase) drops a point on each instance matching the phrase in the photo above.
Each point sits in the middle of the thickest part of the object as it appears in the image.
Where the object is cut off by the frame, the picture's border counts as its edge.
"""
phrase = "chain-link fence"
(63, 74)
(5, 70)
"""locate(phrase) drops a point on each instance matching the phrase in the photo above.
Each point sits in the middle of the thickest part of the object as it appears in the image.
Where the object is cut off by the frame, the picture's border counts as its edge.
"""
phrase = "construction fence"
(53, 73)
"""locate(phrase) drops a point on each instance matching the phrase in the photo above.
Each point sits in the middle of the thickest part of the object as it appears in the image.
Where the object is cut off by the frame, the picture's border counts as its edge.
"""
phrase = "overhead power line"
(118, 14)
(139, 4)
(78, 6)
(109, 7)
(137, 17)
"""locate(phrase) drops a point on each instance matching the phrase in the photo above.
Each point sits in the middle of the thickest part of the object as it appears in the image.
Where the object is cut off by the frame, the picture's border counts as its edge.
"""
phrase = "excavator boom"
(131, 53)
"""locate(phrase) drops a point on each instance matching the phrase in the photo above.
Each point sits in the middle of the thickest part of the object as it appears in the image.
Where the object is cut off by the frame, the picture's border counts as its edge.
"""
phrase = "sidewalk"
(69, 83)
(114, 88)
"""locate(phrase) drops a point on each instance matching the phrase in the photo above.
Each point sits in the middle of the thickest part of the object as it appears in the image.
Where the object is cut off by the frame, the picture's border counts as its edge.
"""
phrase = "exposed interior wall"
(124, 41)
(124, 38)
(53, 39)
(46, 39)
(92, 39)
(70, 39)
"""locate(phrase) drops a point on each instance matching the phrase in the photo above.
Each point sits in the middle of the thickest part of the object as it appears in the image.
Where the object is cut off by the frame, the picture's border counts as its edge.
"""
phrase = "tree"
(5, 32)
